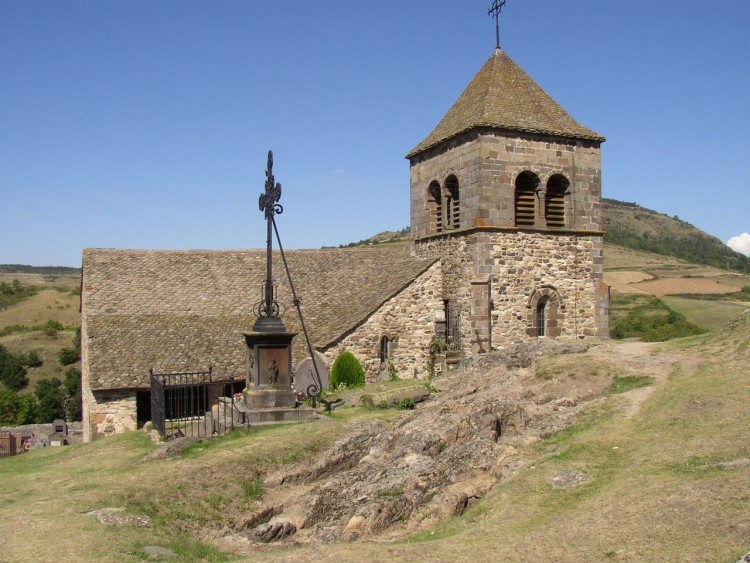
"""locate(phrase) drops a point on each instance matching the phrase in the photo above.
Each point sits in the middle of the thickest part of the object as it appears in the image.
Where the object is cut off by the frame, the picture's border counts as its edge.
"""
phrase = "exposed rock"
(569, 478)
(430, 464)
(273, 531)
(116, 517)
(172, 448)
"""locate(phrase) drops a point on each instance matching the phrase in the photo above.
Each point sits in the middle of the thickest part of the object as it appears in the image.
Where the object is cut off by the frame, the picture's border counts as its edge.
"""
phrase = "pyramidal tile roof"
(502, 95)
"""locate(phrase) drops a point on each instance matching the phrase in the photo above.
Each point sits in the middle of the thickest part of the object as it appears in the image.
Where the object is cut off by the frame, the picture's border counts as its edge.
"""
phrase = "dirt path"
(642, 358)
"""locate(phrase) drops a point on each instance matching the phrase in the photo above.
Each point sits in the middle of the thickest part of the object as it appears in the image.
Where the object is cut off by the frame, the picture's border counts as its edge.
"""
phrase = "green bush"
(68, 356)
(653, 321)
(347, 370)
(32, 360)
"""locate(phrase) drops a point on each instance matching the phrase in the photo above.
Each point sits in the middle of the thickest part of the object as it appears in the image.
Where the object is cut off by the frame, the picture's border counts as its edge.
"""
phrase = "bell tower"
(506, 191)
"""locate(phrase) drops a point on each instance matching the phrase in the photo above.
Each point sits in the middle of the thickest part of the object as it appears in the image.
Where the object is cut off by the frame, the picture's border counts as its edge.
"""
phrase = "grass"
(650, 319)
(706, 311)
(656, 491)
(628, 382)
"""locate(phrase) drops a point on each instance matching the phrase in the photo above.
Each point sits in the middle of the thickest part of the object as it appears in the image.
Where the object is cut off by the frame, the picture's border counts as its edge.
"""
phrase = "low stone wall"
(42, 435)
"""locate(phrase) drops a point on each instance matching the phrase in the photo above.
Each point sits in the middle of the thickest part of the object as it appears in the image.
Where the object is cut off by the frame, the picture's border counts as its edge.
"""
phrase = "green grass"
(628, 382)
(706, 311)
(650, 319)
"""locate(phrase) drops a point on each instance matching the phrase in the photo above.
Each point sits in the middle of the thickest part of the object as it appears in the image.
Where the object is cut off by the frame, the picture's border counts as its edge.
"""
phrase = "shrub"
(347, 370)
(32, 360)
(68, 356)
(50, 328)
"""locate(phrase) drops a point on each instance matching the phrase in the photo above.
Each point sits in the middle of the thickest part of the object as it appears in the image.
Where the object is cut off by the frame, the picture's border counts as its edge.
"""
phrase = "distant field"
(49, 304)
(681, 286)
(623, 258)
(712, 314)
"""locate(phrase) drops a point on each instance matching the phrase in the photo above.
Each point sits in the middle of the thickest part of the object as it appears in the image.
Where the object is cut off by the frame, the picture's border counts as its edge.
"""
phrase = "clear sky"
(146, 123)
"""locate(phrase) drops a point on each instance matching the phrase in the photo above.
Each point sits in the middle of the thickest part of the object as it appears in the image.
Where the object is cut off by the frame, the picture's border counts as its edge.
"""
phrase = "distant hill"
(22, 269)
(630, 225)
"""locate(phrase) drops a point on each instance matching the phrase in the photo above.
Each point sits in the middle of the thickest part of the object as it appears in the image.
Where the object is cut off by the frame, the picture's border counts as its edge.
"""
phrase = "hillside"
(574, 457)
(633, 226)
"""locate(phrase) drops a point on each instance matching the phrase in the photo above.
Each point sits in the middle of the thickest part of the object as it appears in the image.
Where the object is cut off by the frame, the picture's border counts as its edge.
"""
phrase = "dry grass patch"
(47, 492)
(48, 304)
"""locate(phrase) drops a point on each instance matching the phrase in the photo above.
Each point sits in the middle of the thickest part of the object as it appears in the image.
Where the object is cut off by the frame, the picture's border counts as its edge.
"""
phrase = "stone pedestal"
(268, 396)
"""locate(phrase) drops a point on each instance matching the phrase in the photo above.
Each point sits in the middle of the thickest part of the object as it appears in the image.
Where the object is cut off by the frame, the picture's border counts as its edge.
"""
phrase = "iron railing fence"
(193, 404)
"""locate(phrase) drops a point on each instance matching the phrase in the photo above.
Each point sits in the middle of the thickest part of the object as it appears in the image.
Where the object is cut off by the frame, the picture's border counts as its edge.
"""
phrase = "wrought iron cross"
(269, 204)
(494, 11)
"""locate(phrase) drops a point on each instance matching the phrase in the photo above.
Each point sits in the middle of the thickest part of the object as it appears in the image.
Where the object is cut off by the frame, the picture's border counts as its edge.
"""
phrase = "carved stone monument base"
(278, 414)
(269, 398)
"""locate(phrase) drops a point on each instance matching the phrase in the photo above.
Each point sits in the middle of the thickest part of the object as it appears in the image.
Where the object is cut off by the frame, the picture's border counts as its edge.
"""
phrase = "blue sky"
(146, 123)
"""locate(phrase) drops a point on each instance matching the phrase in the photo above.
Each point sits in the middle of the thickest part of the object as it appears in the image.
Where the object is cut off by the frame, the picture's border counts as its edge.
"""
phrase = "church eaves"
(503, 96)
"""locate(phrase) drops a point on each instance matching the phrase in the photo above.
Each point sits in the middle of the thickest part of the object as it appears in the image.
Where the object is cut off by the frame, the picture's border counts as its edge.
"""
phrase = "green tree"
(12, 371)
(16, 409)
(72, 386)
(346, 369)
(49, 393)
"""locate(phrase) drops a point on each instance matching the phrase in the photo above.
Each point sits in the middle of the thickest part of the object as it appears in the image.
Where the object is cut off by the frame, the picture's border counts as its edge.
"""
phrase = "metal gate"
(193, 404)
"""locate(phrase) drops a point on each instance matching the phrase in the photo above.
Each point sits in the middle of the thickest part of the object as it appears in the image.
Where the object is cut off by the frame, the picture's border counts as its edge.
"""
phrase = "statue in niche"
(273, 372)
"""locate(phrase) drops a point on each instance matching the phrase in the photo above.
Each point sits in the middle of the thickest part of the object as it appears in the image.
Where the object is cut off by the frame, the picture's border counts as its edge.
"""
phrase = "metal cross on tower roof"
(494, 11)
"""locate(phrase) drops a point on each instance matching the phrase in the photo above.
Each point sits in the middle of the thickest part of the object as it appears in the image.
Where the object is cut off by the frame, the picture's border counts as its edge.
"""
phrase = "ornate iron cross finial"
(269, 204)
(494, 11)
(268, 200)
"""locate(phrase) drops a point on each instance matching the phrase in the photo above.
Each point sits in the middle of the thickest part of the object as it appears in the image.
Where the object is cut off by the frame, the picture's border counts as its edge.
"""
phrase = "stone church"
(506, 229)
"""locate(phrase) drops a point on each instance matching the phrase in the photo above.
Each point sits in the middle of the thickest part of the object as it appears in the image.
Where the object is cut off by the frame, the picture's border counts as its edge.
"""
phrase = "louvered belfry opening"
(554, 201)
(453, 218)
(435, 207)
(526, 186)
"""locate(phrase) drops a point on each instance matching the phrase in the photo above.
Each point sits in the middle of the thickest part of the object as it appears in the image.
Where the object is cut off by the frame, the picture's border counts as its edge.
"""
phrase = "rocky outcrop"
(430, 465)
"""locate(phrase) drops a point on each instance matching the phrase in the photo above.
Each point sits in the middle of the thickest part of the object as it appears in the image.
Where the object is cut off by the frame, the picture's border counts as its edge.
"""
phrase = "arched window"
(435, 207)
(526, 186)
(554, 201)
(385, 350)
(545, 313)
(452, 208)
(541, 313)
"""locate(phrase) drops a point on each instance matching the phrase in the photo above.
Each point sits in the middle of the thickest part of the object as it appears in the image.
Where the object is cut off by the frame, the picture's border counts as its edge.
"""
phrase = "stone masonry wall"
(487, 164)
(515, 265)
(111, 412)
(408, 320)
